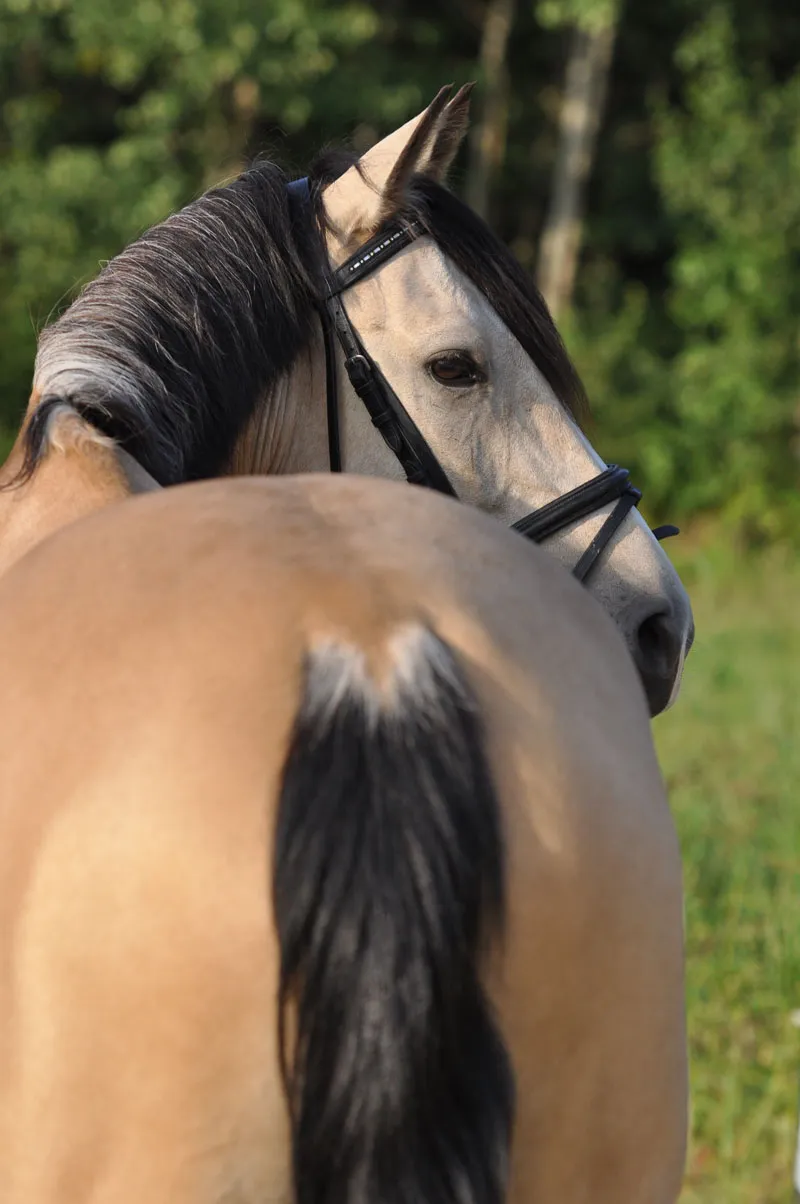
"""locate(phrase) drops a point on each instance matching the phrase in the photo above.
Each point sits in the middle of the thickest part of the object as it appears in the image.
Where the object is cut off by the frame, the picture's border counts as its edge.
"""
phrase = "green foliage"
(700, 379)
(590, 15)
(730, 172)
(115, 115)
(685, 322)
(731, 758)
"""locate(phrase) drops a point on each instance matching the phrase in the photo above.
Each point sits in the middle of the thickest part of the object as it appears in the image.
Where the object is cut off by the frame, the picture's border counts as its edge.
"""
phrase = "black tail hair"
(388, 875)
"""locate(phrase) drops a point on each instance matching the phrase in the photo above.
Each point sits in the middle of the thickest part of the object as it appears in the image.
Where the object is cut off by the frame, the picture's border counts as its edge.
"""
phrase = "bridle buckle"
(359, 370)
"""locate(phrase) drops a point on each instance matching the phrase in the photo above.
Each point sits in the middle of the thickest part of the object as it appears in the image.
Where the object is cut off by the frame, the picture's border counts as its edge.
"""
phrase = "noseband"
(401, 433)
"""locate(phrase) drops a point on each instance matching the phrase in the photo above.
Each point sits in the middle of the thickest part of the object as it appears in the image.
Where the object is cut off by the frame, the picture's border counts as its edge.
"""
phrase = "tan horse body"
(81, 472)
(154, 661)
(152, 674)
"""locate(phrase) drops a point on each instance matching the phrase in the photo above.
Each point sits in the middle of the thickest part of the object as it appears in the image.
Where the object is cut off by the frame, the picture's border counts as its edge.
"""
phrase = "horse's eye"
(457, 369)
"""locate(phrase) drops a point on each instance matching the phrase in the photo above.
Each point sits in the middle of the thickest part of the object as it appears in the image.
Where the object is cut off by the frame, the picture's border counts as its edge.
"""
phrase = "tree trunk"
(797, 1165)
(581, 109)
(488, 141)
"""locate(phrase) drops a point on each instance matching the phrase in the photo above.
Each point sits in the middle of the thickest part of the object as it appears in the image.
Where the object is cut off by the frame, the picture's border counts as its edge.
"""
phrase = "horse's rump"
(157, 761)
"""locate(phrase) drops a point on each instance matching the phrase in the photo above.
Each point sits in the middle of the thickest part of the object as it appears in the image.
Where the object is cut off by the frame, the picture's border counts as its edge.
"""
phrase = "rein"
(401, 433)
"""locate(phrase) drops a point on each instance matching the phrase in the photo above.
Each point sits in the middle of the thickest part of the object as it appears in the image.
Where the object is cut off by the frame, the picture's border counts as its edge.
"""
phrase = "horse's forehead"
(423, 287)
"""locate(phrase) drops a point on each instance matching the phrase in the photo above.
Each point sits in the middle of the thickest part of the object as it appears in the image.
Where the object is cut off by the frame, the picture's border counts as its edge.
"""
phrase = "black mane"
(170, 349)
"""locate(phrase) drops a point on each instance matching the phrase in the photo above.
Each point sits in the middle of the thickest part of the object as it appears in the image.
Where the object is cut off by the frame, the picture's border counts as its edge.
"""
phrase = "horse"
(360, 319)
(79, 471)
(335, 862)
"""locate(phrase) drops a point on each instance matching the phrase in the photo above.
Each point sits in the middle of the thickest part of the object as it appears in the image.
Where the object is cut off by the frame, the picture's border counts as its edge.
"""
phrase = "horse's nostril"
(654, 636)
(657, 652)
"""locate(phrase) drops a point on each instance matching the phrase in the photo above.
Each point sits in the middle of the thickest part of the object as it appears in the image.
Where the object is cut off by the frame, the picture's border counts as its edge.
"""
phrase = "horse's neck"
(288, 430)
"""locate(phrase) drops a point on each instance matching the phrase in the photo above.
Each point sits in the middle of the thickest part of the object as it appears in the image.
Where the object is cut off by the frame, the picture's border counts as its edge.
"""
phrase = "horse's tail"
(389, 871)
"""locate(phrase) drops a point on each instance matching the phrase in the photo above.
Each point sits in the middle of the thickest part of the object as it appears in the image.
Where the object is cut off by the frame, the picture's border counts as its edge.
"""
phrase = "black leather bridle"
(400, 432)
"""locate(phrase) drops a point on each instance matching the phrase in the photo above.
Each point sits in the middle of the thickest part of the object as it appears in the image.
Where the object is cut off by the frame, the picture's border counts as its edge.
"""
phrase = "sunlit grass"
(731, 754)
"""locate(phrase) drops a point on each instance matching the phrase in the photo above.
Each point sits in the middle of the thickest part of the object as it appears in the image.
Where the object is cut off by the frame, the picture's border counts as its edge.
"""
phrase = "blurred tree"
(593, 25)
(729, 171)
(488, 136)
(689, 336)
(684, 306)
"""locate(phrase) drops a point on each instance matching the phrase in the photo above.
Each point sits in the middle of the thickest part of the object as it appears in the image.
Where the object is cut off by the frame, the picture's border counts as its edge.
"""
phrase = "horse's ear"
(449, 136)
(375, 188)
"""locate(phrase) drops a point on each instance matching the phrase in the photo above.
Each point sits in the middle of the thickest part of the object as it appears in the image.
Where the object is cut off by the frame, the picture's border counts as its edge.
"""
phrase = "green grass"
(730, 751)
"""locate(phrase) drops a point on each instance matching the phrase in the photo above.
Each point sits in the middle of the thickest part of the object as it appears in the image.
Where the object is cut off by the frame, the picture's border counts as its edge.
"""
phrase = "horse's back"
(153, 674)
